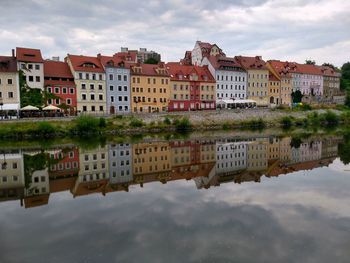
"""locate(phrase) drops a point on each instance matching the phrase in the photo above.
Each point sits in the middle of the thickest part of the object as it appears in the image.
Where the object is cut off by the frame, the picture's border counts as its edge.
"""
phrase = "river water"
(229, 199)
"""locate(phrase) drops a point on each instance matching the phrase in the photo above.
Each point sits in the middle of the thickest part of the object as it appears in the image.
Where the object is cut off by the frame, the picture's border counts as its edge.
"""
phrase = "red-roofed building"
(150, 88)
(331, 84)
(59, 82)
(187, 60)
(202, 50)
(31, 62)
(90, 80)
(258, 78)
(191, 88)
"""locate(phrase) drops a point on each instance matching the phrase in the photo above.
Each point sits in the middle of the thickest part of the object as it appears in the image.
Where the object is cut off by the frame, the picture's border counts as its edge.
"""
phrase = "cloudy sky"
(281, 29)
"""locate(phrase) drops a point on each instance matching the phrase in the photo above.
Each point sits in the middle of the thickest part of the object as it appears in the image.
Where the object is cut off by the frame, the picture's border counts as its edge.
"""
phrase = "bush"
(86, 124)
(102, 123)
(136, 123)
(183, 124)
(330, 118)
(259, 123)
(226, 126)
(45, 128)
(286, 121)
(167, 121)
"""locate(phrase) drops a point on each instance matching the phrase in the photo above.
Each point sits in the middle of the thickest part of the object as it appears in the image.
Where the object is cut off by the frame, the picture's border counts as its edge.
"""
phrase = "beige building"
(90, 81)
(150, 88)
(258, 79)
(9, 87)
(277, 68)
(257, 155)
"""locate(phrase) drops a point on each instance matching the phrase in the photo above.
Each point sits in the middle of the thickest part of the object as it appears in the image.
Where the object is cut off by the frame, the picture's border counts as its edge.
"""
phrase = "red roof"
(176, 69)
(57, 69)
(29, 55)
(149, 70)
(224, 63)
(130, 56)
(330, 72)
(251, 62)
(293, 67)
(86, 64)
(205, 46)
(114, 61)
(8, 64)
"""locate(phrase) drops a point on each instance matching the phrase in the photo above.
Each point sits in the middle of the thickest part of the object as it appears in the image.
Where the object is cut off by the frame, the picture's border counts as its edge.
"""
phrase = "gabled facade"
(231, 78)
(277, 68)
(274, 89)
(31, 63)
(331, 83)
(90, 81)
(258, 78)
(202, 50)
(191, 88)
(59, 82)
(150, 88)
(117, 84)
(9, 87)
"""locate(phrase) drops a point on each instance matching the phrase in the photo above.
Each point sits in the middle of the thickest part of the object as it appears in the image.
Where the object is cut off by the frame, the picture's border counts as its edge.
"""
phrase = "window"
(10, 95)
(100, 97)
(101, 108)
(80, 75)
(84, 107)
(30, 66)
(31, 78)
(83, 86)
(71, 90)
(64, 90)
(92, 86)
(120, 98)
(119, 88)
(111, 88)
(100, 77)
(110, 76)
(100, 87)
(125, 88)
(92, 108)
(119, 77)
(9, 81)
(125, 98)
(37, 67)
(94, 76)
(92, 96)
(57, 90)
(69, 101)
(125, 78)
(112, 98)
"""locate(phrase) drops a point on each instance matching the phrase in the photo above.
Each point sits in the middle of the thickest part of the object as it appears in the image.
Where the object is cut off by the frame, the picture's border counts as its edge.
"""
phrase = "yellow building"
(150, 88)
(90, 80)
(277, 68)
(151, 161)
(274, 89)
(258, 79)
(257, 155)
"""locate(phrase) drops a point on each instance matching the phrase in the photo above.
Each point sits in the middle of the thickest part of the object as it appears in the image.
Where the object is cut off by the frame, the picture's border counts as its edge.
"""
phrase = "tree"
(297, 96)
(310, 62)
(151, 61)
(29, 96)
(345, 69)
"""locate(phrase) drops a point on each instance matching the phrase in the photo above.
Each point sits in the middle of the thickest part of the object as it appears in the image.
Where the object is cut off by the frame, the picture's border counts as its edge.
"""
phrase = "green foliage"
(287, 121)
(297, 96)
(345, 69)
(151, 61)
(136, 123)
(310, 62)
(102, 123)
(226, 126)
(45, 128)
(86, 125)
(330, 118)
(167, 121)
(256, 123)
(29, 96)
(182, 124)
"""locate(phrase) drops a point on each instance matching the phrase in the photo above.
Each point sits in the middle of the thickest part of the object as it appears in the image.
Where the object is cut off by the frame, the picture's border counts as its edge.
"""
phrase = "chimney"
(13, 53)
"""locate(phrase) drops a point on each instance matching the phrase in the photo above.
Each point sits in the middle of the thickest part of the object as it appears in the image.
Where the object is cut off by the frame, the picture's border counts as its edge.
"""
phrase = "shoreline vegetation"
(86, 126)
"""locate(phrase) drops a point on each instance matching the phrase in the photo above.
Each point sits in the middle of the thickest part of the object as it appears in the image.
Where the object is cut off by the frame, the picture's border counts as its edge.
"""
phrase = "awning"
(28, 108)
(9, 106)
(51, 107)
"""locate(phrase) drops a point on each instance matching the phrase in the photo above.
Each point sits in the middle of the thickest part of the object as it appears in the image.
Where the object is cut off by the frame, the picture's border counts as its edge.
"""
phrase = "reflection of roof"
(37, 200)
(86, 188)
(61, 185)
(29, 55)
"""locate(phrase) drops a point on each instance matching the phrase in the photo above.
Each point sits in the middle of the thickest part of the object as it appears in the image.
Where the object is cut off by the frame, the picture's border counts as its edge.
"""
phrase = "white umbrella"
(51, 107)
(28, 108)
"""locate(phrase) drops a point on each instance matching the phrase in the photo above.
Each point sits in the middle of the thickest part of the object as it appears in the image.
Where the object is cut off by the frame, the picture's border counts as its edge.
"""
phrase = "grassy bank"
(127, 125)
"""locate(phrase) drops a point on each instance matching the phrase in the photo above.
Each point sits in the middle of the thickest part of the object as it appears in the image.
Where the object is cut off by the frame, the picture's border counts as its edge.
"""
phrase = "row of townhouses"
(115, 167)
(205, 79)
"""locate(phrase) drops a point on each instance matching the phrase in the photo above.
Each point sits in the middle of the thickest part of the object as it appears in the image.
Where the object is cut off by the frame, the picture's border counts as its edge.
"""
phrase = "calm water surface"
(262, 199)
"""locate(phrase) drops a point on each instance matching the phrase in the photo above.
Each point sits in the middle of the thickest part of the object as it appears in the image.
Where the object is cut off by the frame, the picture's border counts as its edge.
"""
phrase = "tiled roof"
(8, 64)
(86, 64)
(207, 46)
(62, 83)
(220, 62)
(293, 67)
(330, 72)
(251, 62)
(29, 55)
(113, 61)
(130, 56)
(175, 69)
(149, 70)
(57, 69)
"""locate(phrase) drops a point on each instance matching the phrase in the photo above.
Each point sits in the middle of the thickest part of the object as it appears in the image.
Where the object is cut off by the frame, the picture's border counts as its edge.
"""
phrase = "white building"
(120, 163)
(231, 78)
(230, 157)
(31, 63)
(202, 50)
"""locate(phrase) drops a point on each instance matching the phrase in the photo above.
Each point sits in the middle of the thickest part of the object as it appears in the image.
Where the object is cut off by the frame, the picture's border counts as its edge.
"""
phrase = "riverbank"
(170, 122)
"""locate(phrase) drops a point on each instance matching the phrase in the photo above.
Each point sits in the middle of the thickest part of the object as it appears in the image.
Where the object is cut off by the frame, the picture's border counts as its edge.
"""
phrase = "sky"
(293, 30)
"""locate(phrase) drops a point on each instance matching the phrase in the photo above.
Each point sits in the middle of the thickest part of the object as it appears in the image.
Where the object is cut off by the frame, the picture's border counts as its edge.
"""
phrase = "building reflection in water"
(31, 175)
